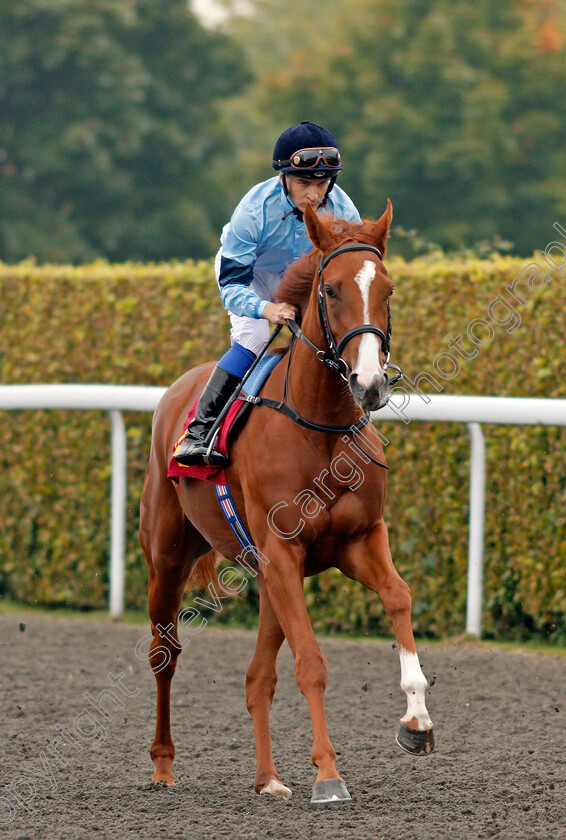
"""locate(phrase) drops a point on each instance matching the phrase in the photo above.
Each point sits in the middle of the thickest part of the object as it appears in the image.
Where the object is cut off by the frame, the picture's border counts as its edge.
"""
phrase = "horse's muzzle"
(375, 396)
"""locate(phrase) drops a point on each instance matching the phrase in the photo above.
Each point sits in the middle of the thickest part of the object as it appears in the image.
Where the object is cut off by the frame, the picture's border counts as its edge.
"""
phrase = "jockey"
(265, 234)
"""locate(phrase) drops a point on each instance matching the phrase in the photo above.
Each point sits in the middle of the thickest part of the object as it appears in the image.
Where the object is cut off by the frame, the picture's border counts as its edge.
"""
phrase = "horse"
(286, 474)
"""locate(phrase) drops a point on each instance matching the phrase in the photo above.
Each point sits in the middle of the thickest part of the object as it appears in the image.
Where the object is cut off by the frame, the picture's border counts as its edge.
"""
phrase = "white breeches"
(251, 333)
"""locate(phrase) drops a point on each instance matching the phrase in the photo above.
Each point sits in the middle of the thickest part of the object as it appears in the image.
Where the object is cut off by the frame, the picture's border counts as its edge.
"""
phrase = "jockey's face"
(303, 191)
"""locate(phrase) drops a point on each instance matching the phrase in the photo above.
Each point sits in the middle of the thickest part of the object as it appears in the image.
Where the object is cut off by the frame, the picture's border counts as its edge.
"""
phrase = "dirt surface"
(499, 769)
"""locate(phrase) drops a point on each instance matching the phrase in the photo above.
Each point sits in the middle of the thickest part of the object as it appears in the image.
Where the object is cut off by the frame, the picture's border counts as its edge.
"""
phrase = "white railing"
(428, 408)
(114, 399)
(473, 411)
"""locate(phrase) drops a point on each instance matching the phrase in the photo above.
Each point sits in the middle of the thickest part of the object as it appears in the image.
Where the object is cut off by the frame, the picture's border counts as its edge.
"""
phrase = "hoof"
(158, 785)
(159, 779)
(330, 790)
(278, 789)
(414, 741)
(163, 774)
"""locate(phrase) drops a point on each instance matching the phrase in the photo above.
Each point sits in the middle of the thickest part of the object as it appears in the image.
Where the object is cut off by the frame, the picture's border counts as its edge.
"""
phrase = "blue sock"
(237, 360)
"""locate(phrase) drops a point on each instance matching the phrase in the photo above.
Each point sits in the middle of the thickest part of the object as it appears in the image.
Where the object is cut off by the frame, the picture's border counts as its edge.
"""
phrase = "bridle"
(333, 359)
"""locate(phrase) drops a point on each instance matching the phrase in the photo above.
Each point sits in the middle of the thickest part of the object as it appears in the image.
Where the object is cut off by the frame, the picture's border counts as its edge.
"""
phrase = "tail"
(204, 572)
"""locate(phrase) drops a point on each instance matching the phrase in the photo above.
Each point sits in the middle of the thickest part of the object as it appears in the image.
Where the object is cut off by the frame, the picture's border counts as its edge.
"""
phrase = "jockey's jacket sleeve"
(235, 292)
(261, 240)
(239, 254)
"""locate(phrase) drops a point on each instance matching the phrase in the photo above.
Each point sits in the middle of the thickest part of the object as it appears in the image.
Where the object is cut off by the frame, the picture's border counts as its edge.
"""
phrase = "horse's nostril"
(379, 381)
(355, 386)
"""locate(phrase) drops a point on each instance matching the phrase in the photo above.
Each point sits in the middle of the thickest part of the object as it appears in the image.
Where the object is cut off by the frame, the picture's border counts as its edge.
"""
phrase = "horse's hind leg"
(171, 546)
(261, 680)
(165, 595)
(369, 561)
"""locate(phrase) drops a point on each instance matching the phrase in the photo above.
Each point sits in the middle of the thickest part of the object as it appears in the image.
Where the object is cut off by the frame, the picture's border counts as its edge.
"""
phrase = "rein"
(332, 360)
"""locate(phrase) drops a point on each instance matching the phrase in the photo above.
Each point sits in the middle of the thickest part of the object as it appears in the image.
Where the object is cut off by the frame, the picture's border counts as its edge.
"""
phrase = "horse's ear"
(320, 235)
(381, 228)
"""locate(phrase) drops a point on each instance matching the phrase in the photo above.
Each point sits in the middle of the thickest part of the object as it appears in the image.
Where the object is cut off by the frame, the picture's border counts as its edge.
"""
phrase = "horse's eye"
(330, 292)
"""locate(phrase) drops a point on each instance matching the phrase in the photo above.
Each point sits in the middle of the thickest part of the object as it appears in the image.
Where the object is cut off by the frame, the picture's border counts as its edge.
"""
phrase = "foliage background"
(128, 130)
(146, 324)
(450, 107)
(111, 142)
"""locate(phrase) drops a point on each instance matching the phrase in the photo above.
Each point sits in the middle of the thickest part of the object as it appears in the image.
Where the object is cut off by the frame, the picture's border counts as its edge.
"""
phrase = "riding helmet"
(306, 135)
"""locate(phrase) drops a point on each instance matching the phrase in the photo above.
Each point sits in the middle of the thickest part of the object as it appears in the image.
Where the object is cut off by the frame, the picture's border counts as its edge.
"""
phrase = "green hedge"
(146, 324)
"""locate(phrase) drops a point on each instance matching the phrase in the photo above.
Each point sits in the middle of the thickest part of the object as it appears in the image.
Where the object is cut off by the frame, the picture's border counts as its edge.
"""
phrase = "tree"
(453, 108)
(109, 131)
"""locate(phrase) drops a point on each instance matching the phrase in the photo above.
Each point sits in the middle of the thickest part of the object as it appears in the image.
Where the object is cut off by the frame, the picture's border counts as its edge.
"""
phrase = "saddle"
(230, 427)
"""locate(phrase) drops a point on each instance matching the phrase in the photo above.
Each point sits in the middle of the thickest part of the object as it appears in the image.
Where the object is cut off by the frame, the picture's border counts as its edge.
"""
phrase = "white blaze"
(368, 364)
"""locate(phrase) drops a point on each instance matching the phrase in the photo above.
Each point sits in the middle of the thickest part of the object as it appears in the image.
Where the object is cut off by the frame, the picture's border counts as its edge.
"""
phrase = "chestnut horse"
(287, 477)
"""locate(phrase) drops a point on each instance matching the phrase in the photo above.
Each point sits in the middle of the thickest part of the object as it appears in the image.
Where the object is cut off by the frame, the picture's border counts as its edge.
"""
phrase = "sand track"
(499, 769)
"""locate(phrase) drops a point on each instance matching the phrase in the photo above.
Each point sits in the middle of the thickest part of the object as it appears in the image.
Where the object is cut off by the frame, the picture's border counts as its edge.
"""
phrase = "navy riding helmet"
(310, 151)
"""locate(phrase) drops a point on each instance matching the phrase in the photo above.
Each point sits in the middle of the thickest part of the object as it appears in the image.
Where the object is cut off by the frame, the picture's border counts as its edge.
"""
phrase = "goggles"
(310, 158)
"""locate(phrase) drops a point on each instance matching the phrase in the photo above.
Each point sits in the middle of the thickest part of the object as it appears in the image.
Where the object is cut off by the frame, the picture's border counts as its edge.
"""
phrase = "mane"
(296, 284)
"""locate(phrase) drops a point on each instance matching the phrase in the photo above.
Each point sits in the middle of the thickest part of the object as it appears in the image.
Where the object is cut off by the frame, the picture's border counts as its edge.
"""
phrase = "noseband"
(333, 359)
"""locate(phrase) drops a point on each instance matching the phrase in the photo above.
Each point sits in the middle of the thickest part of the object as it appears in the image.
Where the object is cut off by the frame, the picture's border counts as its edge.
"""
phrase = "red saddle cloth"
(213, 473)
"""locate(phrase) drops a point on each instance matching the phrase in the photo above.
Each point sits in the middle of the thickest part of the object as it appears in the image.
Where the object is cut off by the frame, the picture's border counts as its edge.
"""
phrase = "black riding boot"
(192, 449)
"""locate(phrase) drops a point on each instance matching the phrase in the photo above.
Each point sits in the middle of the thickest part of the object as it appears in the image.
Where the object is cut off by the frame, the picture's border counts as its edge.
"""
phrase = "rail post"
(476, 536)
(117, 515)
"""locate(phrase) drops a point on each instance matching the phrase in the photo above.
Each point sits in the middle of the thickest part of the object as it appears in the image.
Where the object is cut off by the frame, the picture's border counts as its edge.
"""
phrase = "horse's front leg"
(261, 680)
(369, 561)
(284, 581)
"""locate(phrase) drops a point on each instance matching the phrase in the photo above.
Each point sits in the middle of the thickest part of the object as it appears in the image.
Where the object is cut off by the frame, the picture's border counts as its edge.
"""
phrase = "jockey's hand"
(278, 313)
